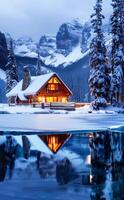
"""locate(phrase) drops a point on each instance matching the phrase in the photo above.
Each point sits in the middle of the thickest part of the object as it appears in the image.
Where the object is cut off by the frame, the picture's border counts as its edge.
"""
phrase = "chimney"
(27, 79)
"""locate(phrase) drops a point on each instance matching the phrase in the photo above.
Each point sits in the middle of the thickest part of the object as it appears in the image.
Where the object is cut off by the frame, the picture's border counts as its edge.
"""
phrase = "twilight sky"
(37, 17)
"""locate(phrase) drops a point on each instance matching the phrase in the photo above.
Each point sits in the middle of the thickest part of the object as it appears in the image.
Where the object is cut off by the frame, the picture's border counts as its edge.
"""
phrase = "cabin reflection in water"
(72, 153)
(95, 160)
(55, 141)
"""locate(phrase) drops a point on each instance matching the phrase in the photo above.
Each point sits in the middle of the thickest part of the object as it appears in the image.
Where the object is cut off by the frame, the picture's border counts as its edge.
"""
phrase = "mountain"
(64, 48)
(47, 45)
(70, 44)
(68, 37)
(66, 53)
(25, 47)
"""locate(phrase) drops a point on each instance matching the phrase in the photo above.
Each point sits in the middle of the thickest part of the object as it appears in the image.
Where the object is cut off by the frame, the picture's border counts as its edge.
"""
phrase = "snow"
(75, 55)
(21, 163)
(108, 110)
(55, 59)
(35, 141)
(38, 144)
(18, 140)
(77, 161)
(36, 83)
(31, 54)
(2, 139)
(25, 47)
(24, 51)
(87, 109)
(83, 110)
(21, 96)
(60, 59)
(2, 75)
(56, 123)
(99, 100)
(22, 109)
(50, 55)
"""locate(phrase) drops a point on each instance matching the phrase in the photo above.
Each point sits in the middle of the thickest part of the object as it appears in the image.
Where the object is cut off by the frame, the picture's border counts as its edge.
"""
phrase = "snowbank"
(28, 109)
(22, 109)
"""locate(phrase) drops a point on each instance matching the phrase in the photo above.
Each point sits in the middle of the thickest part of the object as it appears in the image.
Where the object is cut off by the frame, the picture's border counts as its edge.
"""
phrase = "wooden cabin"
(47, 88)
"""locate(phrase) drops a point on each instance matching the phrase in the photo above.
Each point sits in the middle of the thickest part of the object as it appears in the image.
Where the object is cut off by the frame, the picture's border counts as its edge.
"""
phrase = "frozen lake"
(52, 123)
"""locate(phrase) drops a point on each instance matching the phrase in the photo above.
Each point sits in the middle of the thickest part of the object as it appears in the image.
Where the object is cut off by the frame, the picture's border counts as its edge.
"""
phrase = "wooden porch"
(70, 106)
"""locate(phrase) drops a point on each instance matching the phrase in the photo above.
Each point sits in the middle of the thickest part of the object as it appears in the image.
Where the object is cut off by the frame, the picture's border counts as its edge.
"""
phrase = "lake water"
(82, 178)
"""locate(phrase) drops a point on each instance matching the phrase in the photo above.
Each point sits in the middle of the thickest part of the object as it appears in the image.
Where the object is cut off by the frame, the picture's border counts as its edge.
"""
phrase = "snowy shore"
(21, 109)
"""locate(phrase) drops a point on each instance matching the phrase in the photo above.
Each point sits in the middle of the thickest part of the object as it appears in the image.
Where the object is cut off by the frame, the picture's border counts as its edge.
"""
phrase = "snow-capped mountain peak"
(24, 46)
(70, 44)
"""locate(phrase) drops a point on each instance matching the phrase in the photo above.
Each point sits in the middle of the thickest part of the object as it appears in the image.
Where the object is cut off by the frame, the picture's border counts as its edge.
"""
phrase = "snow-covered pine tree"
(117, 51)
(99, 79)
(11, 70)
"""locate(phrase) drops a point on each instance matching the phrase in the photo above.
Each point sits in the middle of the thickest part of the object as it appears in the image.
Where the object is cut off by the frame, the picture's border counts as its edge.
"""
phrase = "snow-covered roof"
(37, 82)
(21, 96)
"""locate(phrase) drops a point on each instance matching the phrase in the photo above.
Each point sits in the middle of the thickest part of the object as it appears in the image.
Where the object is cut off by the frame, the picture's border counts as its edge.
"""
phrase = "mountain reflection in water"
(82, 168)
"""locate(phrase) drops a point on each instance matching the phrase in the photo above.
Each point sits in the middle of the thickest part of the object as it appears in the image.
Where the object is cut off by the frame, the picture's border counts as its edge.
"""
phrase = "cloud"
(36, 17)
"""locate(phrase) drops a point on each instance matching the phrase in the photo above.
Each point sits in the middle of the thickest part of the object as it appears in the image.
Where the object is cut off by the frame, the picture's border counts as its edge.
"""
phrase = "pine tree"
(117, 51)
(11, 70)
(99, 79)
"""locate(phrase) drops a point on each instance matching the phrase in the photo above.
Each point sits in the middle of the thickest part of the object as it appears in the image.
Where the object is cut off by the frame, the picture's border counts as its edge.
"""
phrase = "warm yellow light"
(53, 143)
(52, 87)
(39, 99)
(53, 80)
(49, 99)
(64, 99)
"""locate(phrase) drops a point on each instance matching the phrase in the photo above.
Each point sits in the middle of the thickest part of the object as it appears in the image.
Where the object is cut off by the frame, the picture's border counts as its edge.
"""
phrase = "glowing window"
(64, 99)
(41, 99)
(53, 80)
(56, 80)
(51, 99)
(52, 87)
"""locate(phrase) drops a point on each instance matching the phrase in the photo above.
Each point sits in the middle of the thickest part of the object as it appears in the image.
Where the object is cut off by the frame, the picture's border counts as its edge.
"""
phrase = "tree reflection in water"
(107, 166)
(8, 151)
